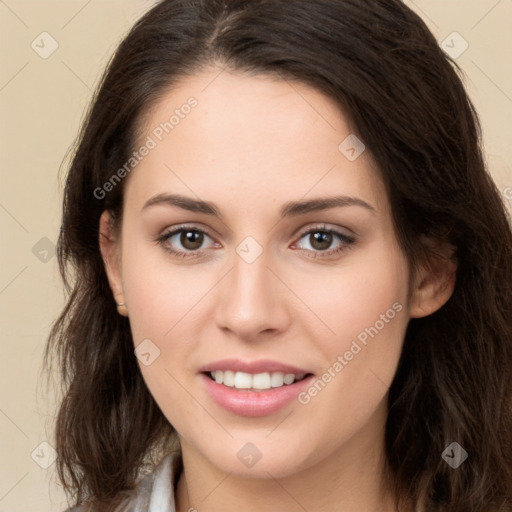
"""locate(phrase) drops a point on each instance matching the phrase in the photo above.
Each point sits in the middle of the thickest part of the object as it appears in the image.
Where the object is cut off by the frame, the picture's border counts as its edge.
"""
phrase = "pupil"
(321, 240)
(191, 239)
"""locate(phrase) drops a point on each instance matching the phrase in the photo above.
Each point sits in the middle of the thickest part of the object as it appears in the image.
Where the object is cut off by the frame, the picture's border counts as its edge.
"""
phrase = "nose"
(252, 301)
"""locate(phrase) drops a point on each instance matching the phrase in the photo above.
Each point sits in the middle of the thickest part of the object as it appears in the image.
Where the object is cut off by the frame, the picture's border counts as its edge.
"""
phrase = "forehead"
(252, 137)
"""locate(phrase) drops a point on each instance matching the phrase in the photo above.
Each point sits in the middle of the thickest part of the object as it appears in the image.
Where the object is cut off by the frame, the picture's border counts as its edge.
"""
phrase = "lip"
(254, 367)
(254, 403)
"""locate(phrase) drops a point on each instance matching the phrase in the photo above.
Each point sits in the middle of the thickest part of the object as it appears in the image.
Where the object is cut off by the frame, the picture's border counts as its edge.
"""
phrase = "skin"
(252, 144)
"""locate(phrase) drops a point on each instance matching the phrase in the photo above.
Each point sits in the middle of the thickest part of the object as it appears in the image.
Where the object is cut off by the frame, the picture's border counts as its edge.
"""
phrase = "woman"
(292, 271)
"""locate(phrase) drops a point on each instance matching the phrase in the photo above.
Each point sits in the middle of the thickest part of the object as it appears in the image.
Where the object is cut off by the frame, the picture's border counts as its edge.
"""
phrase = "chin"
(260, 458)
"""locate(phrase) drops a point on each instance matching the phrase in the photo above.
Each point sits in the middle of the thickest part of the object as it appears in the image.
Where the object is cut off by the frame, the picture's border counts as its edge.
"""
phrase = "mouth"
(243, 381)
(254, 389)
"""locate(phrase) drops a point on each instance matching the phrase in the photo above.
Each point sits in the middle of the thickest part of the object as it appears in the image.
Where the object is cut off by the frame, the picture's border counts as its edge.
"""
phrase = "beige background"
(42, 102)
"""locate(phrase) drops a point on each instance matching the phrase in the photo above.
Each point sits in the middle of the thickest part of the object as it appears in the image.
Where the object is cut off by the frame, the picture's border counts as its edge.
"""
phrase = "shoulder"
(154, 492)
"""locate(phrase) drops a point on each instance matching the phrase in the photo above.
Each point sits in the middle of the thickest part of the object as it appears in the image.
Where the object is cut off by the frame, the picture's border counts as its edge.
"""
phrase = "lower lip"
(254, 403)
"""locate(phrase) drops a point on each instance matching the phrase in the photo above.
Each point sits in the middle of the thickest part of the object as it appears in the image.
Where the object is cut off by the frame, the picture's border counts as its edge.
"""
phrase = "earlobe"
(110, 251)
(434, 283)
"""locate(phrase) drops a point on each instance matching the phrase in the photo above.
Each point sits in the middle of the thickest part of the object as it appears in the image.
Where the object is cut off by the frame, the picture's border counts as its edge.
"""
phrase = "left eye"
(321, 240)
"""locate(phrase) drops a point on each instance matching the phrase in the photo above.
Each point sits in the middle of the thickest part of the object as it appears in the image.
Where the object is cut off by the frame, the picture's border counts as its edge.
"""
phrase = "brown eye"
(191, 240)
(185, 242)
(320, 240)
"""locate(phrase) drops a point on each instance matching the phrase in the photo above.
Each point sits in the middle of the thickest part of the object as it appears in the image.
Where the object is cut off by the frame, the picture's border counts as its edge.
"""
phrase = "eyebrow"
(290, 209)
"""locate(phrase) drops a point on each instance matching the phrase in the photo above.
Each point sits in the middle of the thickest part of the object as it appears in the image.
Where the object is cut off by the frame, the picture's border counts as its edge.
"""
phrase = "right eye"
(190, 238)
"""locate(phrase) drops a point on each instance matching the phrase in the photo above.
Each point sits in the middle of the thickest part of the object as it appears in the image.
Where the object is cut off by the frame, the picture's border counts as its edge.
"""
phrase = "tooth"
(289, 378)
(257, 382)
(243, 380)
(277, 379)
(229, 378)
(261, 381)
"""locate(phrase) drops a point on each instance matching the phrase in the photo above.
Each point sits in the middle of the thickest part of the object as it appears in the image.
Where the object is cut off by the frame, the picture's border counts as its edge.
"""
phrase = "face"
(298, 306)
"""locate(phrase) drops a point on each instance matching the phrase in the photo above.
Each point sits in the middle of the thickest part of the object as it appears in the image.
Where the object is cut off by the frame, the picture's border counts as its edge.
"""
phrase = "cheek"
(354, 297)
(365, 307)
(163, 302)
(162, 297)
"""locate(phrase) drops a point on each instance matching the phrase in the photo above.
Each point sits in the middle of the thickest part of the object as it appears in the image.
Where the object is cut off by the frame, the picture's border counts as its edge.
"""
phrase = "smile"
(255, 382)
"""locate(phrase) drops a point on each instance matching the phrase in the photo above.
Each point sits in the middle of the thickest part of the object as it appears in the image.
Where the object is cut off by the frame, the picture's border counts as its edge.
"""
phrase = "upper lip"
(260, 366)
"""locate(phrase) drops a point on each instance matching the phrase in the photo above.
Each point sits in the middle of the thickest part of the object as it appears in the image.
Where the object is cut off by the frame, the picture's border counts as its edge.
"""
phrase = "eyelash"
(347, 242)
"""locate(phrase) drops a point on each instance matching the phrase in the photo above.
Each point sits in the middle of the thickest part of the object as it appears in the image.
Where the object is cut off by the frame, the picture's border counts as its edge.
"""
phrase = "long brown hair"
(380, 63)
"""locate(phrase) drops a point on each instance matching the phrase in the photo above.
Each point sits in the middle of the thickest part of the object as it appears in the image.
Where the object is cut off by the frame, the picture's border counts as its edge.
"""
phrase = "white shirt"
(155, 491)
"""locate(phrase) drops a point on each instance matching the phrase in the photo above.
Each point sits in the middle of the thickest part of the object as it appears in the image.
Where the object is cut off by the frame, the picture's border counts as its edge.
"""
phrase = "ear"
(434, 280)
(110, 248)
